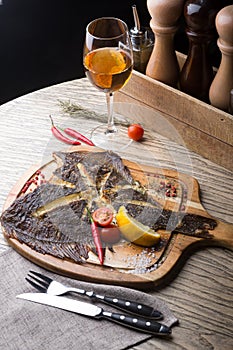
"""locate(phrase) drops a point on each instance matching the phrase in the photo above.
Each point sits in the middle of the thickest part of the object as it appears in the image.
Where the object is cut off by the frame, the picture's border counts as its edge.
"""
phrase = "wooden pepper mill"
(163, 64)
(220, 90)
(197, 73)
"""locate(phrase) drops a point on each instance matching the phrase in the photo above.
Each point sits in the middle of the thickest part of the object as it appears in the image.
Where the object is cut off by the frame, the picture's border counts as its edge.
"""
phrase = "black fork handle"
(129, 306)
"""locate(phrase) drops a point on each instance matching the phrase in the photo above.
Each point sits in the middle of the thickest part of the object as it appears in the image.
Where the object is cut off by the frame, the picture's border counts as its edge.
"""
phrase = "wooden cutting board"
(128, 264)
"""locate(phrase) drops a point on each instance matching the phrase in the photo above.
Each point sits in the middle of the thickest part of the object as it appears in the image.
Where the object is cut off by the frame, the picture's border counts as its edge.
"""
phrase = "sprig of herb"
(70, 108)
(76, 110)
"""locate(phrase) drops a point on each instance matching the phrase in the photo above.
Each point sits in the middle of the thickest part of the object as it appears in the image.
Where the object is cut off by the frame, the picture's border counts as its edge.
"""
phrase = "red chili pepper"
(97, 239)
(78, 136)
(61, 137)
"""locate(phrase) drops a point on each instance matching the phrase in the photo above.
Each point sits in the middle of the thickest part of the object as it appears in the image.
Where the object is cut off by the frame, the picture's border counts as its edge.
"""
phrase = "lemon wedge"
(134, 231)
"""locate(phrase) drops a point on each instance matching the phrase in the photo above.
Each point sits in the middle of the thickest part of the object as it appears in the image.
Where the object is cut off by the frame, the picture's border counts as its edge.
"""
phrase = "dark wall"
(41, 40)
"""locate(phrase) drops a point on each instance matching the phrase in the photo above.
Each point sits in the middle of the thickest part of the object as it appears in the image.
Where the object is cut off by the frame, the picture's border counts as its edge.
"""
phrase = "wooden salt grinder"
(163, 64)
(197, 73)
(222, 84)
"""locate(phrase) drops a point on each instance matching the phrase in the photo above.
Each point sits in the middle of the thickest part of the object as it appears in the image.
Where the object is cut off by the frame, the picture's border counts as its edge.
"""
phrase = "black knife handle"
(130, 306)
(141, 324)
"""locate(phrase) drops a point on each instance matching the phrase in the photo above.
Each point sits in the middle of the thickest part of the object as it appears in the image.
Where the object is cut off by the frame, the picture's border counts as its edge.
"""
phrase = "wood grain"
(201, 294)
(202, 127)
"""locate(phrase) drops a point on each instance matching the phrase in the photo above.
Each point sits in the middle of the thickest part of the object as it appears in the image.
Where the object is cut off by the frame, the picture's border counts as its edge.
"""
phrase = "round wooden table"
(201, 294)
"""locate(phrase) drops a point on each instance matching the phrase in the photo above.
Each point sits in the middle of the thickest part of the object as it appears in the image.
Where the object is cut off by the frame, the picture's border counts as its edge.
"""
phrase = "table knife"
(141, 324)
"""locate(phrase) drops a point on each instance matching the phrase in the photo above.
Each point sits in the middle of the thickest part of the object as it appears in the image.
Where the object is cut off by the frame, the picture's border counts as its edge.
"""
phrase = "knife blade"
(87, 309)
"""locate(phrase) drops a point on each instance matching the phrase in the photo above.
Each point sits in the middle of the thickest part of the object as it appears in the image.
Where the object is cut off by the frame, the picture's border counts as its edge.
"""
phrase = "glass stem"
(111, 128)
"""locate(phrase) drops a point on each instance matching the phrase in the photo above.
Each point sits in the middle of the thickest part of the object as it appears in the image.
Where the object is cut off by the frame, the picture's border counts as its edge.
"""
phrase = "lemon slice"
(134, 231)
(108, 61)
(105, 63)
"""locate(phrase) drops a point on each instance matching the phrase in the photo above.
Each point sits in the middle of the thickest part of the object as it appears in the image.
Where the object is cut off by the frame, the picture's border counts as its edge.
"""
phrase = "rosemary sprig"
(76, 110)
(70, 108)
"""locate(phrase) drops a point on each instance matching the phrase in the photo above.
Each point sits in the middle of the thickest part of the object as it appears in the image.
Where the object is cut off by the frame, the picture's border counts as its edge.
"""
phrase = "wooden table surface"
(201, 295)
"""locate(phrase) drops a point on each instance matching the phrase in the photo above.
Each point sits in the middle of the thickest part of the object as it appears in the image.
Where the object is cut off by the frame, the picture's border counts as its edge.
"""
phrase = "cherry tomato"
(110, 234)
(103, 216)
(135, 132)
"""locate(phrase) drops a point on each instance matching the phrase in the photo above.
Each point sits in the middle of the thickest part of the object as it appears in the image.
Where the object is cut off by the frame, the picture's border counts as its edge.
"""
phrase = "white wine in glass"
(108, 64)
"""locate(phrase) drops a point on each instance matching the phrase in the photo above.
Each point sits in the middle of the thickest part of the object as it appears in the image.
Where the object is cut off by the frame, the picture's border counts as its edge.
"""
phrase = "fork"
(47, 285)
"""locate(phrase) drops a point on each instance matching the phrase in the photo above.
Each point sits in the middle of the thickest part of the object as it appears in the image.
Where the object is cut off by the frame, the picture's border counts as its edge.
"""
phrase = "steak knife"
(141, 324)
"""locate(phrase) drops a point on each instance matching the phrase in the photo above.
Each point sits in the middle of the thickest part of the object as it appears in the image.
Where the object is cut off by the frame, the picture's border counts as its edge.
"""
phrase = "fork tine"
(41, 282)
(43, 277)
(37, 286)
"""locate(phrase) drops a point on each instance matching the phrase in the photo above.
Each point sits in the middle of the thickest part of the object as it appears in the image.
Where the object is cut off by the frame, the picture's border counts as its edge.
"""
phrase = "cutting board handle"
(223, 235)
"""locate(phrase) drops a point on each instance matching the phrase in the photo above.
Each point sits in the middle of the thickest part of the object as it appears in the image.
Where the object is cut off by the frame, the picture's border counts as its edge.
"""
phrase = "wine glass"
(108, 64)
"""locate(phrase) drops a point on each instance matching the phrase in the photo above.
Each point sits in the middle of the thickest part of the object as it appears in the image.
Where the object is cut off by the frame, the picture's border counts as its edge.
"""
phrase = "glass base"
(115, 140)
